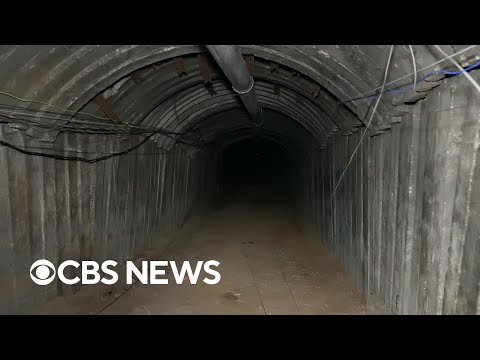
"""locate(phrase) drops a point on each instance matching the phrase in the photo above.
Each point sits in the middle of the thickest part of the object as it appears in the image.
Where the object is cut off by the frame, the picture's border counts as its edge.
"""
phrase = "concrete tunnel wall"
(113, 209)
(403, 220)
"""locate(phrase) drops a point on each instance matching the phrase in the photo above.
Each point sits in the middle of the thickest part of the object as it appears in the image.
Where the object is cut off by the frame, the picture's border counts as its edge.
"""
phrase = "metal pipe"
(230, 60)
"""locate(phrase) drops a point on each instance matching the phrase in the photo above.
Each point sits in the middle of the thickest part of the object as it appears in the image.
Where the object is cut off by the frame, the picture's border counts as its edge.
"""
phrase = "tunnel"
(322, 179)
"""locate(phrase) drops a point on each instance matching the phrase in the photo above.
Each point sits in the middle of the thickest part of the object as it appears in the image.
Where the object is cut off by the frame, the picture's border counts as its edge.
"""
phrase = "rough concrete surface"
(397, 204)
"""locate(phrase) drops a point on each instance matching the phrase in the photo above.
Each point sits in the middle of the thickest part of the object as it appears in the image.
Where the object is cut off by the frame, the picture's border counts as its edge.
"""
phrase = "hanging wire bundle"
(70, 122)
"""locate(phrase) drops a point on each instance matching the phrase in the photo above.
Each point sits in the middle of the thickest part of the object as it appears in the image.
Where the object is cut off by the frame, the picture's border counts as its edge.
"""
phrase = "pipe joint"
(243, 92)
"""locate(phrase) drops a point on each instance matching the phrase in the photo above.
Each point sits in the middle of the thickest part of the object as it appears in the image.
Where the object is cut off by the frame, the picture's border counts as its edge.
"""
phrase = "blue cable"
(408, 87)
(459, 71)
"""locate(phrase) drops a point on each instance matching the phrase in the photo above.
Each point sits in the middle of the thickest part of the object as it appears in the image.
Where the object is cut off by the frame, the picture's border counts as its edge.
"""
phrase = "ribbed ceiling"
(299, 87)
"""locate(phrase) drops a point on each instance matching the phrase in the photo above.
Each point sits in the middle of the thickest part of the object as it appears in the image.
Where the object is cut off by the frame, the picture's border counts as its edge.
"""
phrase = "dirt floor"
(268, 266)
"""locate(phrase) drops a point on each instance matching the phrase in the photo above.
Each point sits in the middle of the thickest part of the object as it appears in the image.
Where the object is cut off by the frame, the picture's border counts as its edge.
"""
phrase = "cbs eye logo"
(42, 272)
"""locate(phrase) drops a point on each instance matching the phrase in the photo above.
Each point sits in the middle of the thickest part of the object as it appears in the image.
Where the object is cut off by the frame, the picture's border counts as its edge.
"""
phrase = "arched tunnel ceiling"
(298, 86)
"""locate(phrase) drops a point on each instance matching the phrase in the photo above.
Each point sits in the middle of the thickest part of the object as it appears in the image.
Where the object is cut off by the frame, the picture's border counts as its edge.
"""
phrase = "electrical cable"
(387, 67)
(469, 77)
(45, 127)
(76, 158)
(21, 115)
(408, 87)
(165, 151)
(53, 105)
(14, 112)
(48, 120)
(414, 67)
(72, 120)
(408, 75)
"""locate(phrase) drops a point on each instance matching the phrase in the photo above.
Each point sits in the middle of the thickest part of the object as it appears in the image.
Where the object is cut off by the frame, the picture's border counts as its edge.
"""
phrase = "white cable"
(414, 68)
(371, 118)
(419, 70)
(469, 77)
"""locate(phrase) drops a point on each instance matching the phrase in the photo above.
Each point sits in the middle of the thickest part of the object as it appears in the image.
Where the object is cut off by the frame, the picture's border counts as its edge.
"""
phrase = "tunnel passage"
(107, 149)
(259, 169)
